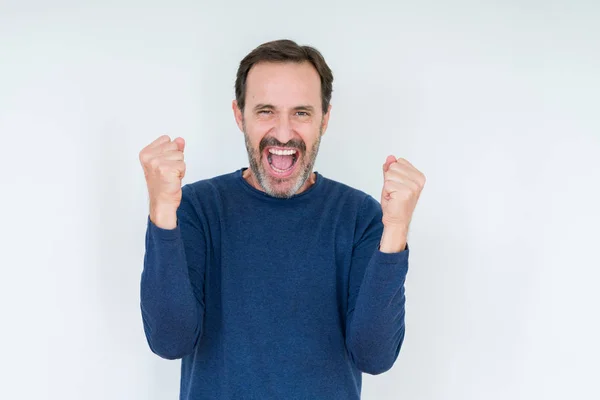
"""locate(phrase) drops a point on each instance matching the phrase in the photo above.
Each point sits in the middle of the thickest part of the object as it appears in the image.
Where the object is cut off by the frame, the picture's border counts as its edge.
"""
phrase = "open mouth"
(282, 162)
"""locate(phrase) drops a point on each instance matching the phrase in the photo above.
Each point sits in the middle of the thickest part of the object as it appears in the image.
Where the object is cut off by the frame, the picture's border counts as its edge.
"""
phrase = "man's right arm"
(172, 304)
(172, 283)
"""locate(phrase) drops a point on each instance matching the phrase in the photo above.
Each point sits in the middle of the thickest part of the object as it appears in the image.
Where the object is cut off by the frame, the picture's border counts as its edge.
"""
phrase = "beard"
(271, 185)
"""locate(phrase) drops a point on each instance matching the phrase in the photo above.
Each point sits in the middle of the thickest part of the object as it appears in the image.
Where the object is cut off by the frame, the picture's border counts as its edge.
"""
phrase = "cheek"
(309, 135)
(255, 133)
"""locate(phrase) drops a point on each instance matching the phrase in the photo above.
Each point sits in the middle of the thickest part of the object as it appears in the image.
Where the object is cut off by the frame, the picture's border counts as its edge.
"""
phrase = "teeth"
(282, 152)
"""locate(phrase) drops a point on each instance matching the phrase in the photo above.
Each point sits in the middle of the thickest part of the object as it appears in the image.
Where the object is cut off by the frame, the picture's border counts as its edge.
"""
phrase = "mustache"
(291, 144)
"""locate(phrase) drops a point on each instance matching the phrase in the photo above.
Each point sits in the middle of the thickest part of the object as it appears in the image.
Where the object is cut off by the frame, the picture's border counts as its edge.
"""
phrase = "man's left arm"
(375, 318)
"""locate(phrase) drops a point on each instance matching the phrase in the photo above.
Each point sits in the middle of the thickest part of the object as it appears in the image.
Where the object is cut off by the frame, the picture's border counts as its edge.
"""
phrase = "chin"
(283, 188)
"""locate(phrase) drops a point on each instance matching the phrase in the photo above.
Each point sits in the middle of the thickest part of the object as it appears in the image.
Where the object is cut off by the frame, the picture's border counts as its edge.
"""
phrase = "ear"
(325, 120)
(237, 114)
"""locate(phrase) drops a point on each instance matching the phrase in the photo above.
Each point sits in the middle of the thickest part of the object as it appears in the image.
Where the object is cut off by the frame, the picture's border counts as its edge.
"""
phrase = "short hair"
(284, 50)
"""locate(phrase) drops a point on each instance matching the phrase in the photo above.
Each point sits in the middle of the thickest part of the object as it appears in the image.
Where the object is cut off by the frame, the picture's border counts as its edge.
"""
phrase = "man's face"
(282, 123)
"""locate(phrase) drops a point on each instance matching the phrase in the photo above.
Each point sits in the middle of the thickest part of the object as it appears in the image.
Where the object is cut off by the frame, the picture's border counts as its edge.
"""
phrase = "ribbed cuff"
(400, 257)
(163, 234)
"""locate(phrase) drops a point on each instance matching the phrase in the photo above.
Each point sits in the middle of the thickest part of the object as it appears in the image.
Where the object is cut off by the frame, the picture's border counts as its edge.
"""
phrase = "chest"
(284, 268)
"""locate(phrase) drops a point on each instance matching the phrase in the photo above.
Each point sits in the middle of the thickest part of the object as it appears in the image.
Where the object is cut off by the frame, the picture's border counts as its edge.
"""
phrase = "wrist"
(163, 216)
(393, 239)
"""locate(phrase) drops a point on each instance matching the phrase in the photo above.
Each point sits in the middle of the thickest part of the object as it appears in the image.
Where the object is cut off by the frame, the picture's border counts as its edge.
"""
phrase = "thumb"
(180, 143)
(388, 161)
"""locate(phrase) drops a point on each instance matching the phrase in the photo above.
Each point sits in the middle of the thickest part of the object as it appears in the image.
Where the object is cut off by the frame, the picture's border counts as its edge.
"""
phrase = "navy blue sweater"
(267, 298)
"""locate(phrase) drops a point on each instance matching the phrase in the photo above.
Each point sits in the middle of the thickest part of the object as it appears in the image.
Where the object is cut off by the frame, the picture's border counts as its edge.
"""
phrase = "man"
(273, 281)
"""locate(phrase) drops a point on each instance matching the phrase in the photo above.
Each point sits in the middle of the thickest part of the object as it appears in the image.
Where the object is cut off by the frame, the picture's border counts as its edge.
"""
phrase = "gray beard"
(256, 166)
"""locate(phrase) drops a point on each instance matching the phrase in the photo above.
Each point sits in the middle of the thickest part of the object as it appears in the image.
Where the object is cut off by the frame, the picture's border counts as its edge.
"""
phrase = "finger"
(150, 150)
(172, 155)
(399, 173)
(391, 189)
(389, 160)
(164, 148)
(176, 167)
(180, 143)
(395, 190)
(392, 186)
(404, 169)
(398, 179)
(409, 171)
(414, 172)
(180, 165)
(161, 140)
(177, 144)
(405, 161)
(401, 168)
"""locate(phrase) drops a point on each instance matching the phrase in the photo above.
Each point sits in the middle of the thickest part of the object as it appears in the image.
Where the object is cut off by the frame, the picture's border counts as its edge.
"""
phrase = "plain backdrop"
(496, 102)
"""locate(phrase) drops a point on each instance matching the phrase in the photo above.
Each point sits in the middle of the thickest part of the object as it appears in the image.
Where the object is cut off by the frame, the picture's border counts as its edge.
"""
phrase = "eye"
(264, 112)
(302, 113)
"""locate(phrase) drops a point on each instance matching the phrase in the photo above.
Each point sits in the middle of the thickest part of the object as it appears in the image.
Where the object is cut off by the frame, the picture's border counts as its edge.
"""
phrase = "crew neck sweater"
(270, 298)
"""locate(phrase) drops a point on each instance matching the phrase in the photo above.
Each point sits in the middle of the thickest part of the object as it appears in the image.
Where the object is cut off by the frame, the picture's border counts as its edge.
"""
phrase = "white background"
(496, 102)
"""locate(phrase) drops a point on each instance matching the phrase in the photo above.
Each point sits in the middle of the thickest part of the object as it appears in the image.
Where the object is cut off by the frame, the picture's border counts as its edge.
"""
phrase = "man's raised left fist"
(402, 185)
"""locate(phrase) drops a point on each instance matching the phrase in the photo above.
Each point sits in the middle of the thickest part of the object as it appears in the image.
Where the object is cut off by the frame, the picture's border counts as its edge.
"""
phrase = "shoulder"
(227, 179)
(361, 210)
(350, 196)
(204, 197)
(204, 188)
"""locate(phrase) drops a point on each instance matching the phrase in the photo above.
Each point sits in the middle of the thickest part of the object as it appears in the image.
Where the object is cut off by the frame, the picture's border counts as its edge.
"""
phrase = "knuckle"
(162, 147)
(155, 163)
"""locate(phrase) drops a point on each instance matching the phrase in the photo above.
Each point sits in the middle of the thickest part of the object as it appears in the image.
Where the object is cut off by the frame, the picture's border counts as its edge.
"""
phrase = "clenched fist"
(164, 168)
(402, 187)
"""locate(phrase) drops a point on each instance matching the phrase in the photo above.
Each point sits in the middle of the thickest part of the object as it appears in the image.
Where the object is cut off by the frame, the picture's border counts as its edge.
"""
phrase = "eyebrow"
(303, 107)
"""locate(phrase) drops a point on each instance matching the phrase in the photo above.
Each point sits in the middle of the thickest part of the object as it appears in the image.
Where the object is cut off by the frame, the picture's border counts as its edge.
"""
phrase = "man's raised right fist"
(164, 168)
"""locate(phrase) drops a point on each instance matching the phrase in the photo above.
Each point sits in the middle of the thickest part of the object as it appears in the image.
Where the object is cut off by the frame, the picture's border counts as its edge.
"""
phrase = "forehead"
(284, 84)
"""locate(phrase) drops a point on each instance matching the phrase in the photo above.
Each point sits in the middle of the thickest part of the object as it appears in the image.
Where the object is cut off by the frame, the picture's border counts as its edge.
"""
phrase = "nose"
(284, 131)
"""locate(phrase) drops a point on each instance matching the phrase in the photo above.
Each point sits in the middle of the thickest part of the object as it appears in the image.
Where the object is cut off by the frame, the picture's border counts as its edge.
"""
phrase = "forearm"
(375, 329)
(170, 310)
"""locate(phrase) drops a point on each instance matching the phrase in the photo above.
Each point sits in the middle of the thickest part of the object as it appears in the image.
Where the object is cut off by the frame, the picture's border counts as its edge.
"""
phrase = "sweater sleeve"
(172, 283)
(375, 317)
